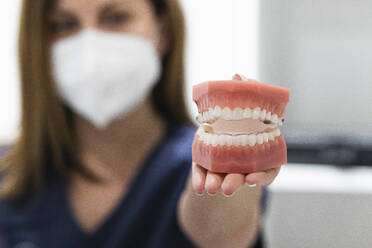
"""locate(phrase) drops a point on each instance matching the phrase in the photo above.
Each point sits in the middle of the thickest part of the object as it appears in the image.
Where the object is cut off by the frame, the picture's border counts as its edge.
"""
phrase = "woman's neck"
(117, 151)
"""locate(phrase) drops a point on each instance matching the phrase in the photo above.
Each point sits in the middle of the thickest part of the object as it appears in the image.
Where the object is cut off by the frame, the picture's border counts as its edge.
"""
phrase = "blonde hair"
(46, 140)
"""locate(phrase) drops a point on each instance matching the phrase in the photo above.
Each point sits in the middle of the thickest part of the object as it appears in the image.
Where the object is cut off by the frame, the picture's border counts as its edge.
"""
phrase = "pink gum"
(243, 94)
(239, 159)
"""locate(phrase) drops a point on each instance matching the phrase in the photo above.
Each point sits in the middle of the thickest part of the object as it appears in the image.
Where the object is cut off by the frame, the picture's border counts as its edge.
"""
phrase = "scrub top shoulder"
(145, 217)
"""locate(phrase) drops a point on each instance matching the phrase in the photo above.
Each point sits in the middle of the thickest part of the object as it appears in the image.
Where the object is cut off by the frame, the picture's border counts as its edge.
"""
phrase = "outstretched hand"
(212, 182)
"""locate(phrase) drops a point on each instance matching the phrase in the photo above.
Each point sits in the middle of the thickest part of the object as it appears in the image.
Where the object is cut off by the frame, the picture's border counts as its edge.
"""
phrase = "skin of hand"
(228, 214)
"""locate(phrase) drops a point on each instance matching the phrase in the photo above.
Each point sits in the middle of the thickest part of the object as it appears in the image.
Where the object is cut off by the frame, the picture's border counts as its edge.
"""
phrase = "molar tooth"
(256, 113)
(211, 113)
(280, 122)
(260, 139)
(266, 137)
(252, 139)
(268, 116)
(263, 115)
(214, 140)
(209, 139)
(199, 131)
(237, 114)
(247, 113)
(276, 132)
(226, 113)
(217, 111)
(271, 136)
(274, 118)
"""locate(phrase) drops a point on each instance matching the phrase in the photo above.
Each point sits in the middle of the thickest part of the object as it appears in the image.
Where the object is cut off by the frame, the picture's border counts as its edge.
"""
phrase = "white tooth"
(214, 140)
(202, 137)
(229, 140)
(209, 139)
(256, 113)
(268, 116)
(211, 113)
(263, 115)
(252, 139)
(271, 136)
(247, 113)
(237, 114)
(277, 132)
(217, 111)
(226, 113)
(244, 140)
(199, 131)
(220, 140)
(235, 141)
(274, 119)
(205, 117)
(280, 122)
(266, 137)
(260, 139)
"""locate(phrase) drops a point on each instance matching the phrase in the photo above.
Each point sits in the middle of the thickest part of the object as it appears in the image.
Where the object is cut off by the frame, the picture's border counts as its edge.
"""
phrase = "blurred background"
(322, 51)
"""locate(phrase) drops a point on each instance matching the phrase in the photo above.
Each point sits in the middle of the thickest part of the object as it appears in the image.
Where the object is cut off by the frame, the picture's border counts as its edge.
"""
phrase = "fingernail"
(228, 195)
(252, 185)
(198, 194)
(211, 194)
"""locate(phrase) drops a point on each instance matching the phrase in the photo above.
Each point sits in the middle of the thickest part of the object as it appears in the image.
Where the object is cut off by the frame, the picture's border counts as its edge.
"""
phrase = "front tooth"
(252, 139)
(229, 140)
(217, 111)
(274, 119)
(226, 113)
(268, 116)
(247, 113)
(244, 140)
(260, 139)
(235, 141)
(263, 115)
(266, 137)
(237, 114)
(256, 113)
(271, 136)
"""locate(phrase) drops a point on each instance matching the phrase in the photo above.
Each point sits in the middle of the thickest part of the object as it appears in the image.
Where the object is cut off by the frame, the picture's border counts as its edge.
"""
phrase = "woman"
(104, 154)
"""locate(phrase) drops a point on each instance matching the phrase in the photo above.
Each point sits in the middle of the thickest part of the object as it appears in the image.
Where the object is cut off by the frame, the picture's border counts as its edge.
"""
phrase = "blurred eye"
(114, 18)
(65, 26)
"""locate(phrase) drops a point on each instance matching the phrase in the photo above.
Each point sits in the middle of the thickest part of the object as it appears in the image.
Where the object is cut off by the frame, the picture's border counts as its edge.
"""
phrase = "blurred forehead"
(94, 5)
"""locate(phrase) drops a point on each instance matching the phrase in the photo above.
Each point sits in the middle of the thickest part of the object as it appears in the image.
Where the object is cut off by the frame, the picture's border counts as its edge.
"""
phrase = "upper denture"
(241, 94)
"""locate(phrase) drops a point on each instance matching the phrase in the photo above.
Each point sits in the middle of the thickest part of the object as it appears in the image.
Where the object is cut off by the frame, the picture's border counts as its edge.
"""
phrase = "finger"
(213, 182)
(198, 178)
(262, 178)
(232, 183)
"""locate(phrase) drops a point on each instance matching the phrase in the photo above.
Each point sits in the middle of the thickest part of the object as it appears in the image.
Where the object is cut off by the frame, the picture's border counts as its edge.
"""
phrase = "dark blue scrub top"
(146, 216)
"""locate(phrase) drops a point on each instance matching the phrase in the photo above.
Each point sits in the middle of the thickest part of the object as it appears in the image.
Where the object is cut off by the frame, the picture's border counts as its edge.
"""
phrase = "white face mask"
(103, 76)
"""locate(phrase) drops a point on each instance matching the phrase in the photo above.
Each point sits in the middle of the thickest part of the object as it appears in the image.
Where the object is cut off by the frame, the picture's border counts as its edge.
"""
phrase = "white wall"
(9, 88)
(322, 50)
(222, 40)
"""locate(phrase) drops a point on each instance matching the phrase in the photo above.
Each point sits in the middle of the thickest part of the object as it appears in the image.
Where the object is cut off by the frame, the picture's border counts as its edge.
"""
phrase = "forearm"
(220, 221)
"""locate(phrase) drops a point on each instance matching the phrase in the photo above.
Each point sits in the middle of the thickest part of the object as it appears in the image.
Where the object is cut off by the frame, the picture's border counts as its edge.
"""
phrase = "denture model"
(239, 131)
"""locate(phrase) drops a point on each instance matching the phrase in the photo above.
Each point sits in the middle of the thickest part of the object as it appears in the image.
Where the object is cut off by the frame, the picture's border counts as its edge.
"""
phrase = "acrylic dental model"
(239, 130)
